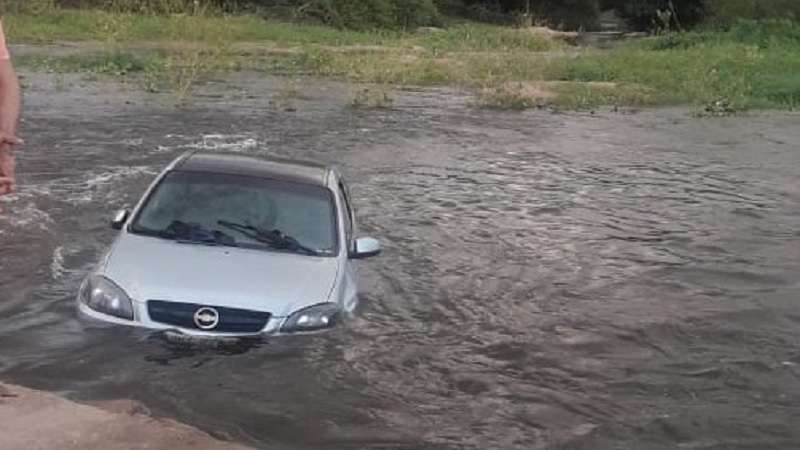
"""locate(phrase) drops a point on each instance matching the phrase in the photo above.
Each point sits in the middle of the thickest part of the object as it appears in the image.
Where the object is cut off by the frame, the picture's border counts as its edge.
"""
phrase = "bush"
(764, 35)
(570, 14)
(155, 6)
(414, 13)
(366, 14)
(26, 6)
(729, 11)
(644, 14)
(357, 14)
(565, 14)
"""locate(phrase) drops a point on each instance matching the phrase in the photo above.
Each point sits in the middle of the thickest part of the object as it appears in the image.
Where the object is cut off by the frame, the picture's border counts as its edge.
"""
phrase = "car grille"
(231, 320)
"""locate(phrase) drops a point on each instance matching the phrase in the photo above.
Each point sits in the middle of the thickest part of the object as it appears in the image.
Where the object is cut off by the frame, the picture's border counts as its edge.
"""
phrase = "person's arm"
(10, 96)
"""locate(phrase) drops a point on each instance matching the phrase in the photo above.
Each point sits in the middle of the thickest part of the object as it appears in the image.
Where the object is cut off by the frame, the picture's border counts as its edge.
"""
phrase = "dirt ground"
(33, 420)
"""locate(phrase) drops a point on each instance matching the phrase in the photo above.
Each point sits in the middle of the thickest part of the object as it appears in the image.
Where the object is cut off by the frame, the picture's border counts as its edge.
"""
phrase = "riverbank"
(747, 66)
(34, 420)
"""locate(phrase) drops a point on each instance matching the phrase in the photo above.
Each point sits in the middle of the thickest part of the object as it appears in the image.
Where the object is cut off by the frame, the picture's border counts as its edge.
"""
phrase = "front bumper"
(142, 320)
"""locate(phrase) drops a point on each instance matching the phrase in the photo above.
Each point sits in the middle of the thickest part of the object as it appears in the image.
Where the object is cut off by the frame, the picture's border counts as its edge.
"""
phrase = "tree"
(644, 14)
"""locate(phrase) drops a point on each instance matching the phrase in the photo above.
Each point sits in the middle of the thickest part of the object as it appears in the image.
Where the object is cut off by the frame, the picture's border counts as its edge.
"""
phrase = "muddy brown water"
(550, 281)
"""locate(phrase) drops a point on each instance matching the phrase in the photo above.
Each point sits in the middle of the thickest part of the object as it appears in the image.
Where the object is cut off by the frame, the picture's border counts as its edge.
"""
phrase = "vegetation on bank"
(406, 14)
(744, 65)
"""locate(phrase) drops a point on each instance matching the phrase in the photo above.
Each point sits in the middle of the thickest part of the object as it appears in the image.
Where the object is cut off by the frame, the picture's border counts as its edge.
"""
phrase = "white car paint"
(151, 268)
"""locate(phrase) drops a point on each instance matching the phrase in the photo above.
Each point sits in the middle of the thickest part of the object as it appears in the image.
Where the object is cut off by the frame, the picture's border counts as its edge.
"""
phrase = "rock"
(429, 30)
(570, 37)
(123, 406)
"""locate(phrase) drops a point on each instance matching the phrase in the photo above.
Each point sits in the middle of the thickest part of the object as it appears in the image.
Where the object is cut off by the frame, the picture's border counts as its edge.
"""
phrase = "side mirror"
(119, 219)
(366, 248)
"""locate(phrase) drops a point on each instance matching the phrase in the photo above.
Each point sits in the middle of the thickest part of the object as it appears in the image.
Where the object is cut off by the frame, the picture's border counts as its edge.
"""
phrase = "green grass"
(744, 65)
(93, 25)
(105, 64)
(85, 25)
(748, 66)
(729, 11)
(475, 37)
(371, 98)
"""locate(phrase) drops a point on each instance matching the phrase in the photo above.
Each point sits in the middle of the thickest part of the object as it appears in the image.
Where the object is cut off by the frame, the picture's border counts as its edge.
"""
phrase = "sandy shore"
(32, 420)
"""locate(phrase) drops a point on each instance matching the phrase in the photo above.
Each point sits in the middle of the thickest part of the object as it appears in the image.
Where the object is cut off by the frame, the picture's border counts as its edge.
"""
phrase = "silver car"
(232, 245)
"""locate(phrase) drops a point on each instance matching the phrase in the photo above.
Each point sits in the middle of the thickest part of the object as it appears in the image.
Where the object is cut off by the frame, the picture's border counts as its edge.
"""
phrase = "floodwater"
(618, 280)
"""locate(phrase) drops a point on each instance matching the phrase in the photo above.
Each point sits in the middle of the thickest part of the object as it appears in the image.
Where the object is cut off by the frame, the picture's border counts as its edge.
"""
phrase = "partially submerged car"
(232, 245)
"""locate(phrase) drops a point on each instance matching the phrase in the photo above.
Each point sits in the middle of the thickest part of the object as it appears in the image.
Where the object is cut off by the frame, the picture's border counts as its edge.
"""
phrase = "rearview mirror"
(366, 248)
(119, 219)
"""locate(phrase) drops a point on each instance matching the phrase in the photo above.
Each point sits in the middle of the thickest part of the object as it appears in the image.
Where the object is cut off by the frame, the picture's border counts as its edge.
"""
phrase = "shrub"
(729, 11)
(764, 34)
(367, 14)
(26, 6)
(414, 13)
(568, 14)
(644, 14)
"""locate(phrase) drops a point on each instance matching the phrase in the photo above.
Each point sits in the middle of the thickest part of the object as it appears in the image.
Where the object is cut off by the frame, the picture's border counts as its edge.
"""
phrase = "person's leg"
(10, 105)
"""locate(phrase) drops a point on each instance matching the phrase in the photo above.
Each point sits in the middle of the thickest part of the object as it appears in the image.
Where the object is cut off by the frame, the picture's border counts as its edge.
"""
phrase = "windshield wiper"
(273, 238)
(190, 233)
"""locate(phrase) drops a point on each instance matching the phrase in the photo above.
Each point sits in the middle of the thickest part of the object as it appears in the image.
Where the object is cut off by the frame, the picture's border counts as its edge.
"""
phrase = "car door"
(350, 278)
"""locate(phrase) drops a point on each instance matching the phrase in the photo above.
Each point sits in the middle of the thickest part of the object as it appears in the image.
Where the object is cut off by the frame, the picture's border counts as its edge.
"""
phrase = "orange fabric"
(3, 49)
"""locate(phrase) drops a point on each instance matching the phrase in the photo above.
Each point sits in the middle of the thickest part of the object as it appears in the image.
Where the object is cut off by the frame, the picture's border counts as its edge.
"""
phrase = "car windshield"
(240, 211)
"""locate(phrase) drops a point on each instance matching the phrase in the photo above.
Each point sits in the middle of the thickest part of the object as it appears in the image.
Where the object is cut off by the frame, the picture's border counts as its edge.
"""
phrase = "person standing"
(10, 106)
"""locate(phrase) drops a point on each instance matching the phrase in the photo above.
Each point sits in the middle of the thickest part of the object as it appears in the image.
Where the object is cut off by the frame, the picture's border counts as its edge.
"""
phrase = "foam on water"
(57, 264)
(213, 142)
(24, 216)
(113, 174)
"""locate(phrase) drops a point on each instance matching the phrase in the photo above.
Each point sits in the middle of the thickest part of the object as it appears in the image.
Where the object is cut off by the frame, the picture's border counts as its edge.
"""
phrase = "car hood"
(149, 268)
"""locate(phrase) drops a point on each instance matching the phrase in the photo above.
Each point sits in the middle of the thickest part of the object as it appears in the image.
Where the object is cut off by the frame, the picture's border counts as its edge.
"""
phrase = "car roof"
(275, 168)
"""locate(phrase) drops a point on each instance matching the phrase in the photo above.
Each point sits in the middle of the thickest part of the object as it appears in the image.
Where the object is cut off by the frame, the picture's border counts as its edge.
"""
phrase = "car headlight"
(313, 318)
(102, 295)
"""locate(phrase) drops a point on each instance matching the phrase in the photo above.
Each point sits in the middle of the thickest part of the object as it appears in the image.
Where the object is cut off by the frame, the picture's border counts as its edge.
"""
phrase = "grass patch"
(741, 69)
(484, 38)
(744, 65)
(371, 98)
(770, 34)
(88, 25)
(106, 64)
(515, 96)
(573, 95)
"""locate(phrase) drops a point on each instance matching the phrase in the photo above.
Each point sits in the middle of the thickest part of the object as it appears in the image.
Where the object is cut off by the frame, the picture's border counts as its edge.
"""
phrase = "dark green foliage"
(570, 14)
(729, 11)
(765, 34)
(644, 14)
(567, 14)
(367, 14)
(660, 15)
(414, 13)
(357, 14)
(674, 41)
(780, 90)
